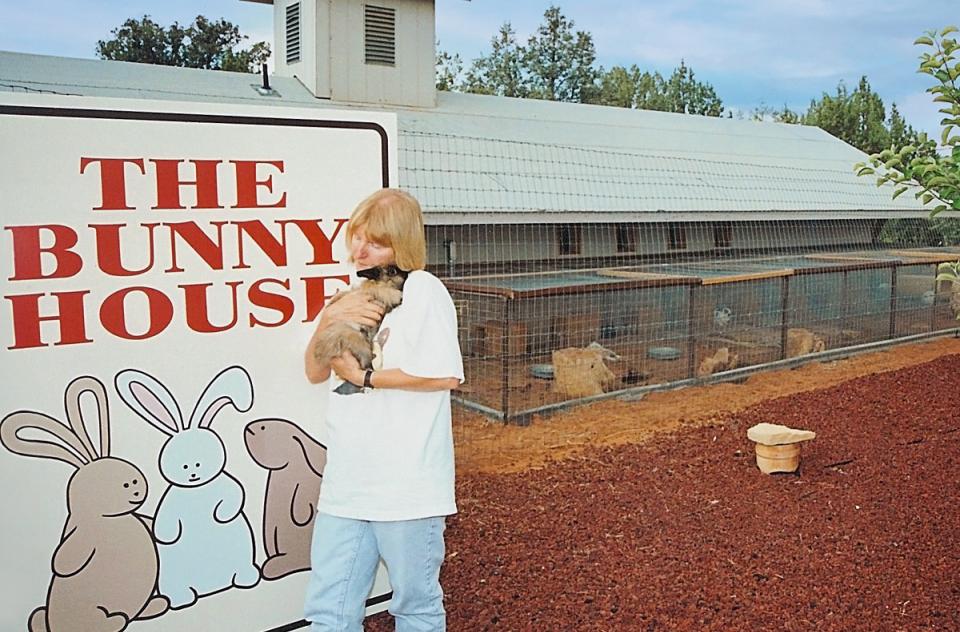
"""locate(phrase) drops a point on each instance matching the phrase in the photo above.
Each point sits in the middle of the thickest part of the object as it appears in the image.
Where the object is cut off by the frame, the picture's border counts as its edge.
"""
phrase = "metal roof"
(477, 158)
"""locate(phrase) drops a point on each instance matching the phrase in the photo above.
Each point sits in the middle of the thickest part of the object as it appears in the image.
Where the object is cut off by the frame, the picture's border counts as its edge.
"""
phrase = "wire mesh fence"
(534, 341)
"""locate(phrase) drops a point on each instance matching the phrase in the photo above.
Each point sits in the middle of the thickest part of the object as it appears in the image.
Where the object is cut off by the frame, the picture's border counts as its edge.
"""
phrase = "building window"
(722, 235)
(569, 238)
(677, 237)
(626, 237)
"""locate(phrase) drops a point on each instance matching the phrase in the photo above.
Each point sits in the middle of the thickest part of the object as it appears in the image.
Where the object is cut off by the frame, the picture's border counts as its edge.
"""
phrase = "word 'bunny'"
(105, 567)
(295, 461)
(204, 538)
(384, 287)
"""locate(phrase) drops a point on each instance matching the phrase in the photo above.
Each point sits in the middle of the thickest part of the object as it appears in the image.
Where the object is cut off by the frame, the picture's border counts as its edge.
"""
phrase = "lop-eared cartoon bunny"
(295, 461)
(105, 567)
(204, 538)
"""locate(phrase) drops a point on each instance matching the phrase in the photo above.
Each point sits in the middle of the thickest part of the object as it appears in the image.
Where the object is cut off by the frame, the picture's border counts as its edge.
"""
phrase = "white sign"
(161, 449)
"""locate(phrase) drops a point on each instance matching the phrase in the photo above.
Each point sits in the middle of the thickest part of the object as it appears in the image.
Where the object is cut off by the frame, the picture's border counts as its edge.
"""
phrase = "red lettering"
(322, 245)
(27, 319)
(206, 248)
(113, 315)
(113, 183)
(247, 184)
(27, 252)
(276, 302)
(316, 290)
(198, 310)
(275, 249)
(169, 183)
(109, 257)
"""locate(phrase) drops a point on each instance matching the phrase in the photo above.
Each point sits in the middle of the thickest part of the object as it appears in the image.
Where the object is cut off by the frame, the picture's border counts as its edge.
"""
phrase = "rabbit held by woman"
(105, 567)
(384, 286)
(295, 461)
(204, 538)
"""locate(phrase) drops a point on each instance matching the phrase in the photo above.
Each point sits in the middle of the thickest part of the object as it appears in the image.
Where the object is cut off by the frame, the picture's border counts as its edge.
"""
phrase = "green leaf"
(899, 192)
(865, 171)
(926, 41)
(948, 30)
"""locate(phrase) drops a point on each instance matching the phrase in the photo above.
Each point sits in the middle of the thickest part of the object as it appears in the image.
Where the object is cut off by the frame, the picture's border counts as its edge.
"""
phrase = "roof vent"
(293, 33)
(380, 35)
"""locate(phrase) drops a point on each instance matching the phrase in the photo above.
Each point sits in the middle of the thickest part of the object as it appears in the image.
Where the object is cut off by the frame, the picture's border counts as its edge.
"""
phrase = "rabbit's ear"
(150, 399)
(68, 449)
(76, 389)
(313, 451)
(230, 386)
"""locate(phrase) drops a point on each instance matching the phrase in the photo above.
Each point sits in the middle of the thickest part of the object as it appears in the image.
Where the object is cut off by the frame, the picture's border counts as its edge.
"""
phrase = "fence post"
(505, 360)
(893, 301)
(691, 341)
(784, 316)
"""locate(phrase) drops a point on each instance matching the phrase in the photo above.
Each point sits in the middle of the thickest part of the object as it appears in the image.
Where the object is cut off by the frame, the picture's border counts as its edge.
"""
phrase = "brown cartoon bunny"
(105, 567)
(296, 463)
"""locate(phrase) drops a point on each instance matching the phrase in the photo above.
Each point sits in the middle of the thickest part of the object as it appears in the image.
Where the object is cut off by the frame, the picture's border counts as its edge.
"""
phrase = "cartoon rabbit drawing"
(105, 567)
(295, 462)
(203, 536)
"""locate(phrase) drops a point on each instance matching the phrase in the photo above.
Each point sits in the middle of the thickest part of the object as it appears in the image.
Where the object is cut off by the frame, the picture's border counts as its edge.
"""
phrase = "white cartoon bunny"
(204, 538)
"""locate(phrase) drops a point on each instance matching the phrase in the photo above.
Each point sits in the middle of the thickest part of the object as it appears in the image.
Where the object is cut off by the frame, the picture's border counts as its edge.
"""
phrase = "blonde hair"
(393, 218)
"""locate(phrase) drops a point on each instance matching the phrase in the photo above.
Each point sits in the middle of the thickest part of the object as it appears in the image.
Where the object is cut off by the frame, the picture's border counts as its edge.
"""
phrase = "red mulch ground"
(682, 532)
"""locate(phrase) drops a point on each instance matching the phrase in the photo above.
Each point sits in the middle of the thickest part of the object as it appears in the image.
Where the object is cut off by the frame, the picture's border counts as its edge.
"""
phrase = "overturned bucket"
(778, 447)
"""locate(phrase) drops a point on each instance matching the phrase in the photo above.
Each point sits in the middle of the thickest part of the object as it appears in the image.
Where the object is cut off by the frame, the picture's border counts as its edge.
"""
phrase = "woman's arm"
(349, 369)
(352, 307)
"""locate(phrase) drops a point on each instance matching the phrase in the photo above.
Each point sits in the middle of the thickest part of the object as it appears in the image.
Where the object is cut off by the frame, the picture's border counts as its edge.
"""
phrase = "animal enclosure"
(648, 326)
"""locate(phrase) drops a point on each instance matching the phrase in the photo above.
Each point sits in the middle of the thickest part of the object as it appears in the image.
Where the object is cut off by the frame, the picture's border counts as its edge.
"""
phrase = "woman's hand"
(348, 368)
(351, 307)
(346, 307)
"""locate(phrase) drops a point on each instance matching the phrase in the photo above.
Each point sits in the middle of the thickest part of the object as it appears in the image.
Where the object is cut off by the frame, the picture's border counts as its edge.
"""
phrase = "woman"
(388, 482)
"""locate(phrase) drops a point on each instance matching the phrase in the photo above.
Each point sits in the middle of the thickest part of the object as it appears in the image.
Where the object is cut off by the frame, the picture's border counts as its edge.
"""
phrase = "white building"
(515, 184)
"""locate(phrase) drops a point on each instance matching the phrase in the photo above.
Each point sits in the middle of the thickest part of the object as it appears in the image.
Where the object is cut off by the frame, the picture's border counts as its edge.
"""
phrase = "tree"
(559, 62)
(449, 68)
(630, 88)
(687, 95)
(619, 87)
(767, 113)
(203, 44)
(932, 172)
(501, 72)
(857, 117)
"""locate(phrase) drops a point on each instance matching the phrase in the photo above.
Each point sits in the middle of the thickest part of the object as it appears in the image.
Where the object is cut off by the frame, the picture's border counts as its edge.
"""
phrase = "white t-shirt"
(390, 451)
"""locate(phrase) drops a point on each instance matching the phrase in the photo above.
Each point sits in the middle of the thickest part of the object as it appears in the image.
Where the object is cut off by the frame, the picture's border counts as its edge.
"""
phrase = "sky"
(753, 52)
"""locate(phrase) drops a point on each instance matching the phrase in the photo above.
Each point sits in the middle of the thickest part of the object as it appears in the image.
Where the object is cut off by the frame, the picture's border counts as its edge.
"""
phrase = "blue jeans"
(344, 556)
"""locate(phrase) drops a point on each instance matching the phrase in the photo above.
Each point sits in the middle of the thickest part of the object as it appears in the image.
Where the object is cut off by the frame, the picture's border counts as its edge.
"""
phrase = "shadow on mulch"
(684, 533)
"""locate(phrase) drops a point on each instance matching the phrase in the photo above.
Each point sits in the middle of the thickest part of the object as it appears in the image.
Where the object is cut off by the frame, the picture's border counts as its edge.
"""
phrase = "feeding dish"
(663, 353)
(543, 371)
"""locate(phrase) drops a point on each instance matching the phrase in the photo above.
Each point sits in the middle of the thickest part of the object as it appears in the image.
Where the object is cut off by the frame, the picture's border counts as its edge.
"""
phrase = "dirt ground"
(652, 515)
(483, 445)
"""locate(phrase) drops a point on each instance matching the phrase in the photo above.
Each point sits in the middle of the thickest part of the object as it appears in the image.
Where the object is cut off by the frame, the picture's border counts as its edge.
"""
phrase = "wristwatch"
(367, 376)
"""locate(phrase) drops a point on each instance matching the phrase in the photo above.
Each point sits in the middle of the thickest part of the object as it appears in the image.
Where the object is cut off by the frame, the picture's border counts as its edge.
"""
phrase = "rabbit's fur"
(384, 286)
(106, 566)
(295, 461)
(204, 539)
